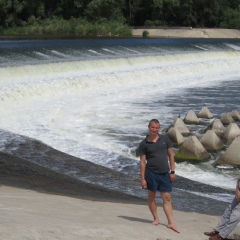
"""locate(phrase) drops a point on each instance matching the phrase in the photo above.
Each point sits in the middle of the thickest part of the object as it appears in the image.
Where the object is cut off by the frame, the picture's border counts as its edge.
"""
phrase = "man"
(155, 155)
(229, 219)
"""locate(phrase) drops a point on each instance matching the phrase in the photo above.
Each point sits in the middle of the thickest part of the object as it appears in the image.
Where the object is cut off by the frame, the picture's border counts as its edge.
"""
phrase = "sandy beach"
(28, 214)
(188, 32)
(36, 203)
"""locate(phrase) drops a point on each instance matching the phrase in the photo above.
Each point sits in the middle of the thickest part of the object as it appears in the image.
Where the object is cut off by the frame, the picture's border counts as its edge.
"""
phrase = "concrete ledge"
(188, 32)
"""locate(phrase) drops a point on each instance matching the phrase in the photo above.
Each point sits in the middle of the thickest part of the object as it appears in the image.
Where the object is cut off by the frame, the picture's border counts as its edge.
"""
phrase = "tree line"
(162, 13)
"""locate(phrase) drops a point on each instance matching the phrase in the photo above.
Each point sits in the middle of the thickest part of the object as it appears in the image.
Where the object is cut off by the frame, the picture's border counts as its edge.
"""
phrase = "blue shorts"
(158, 181)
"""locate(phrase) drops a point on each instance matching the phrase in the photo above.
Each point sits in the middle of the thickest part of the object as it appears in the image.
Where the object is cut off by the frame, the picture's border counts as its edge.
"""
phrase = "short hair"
(153, 120)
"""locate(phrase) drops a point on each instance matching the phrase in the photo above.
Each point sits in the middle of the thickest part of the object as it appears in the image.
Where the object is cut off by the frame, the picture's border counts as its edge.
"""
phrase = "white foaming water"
(98, 110)
(207, 176)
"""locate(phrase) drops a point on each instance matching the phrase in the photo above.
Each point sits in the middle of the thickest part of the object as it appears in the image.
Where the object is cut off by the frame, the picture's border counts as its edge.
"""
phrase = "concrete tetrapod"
(235, 115)
(191, 117)
(211, 142)
(180, 126)
(217, 127)
(192, 150)
(175, 136)
(231, 132)
(227, 118)
(205, 113)
(232, 155)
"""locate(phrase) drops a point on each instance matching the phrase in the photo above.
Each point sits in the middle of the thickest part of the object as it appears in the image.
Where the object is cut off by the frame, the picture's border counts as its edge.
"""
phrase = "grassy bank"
(72, 27)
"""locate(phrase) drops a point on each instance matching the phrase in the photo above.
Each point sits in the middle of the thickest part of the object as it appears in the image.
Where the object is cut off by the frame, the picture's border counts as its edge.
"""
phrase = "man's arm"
(172, 163)
(142, 170)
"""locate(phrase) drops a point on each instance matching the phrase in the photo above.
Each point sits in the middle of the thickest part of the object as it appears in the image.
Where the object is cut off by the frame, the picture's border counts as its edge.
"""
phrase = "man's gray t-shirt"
(156, 153)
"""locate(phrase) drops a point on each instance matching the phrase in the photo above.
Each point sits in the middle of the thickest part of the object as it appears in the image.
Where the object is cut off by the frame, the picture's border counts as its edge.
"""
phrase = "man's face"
(153, 128)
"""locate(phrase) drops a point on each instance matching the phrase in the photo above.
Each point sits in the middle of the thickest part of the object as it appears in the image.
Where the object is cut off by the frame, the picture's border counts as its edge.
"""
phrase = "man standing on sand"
(229, 219)
(155, 155)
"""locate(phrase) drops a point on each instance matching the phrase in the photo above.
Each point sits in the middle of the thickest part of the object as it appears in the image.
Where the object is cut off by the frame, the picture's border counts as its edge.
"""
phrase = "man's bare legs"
(167, 207)
(153, 207)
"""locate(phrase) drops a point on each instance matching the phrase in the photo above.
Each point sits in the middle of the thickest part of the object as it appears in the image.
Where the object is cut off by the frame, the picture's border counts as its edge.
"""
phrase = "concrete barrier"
(205, 113)
(180, 125)
(232, 154)
(227, 118)
(192, 150)
(211, 142)
(231, 132)
(175, 136)
(235, 115)
(191, 117)
(217, 127)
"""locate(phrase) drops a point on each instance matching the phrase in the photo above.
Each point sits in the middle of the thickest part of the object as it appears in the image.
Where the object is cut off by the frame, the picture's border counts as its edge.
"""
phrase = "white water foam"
(233, 46)
(205, 49)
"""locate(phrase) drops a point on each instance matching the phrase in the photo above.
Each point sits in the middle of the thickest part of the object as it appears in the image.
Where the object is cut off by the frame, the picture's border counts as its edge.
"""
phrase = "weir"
(164, 71)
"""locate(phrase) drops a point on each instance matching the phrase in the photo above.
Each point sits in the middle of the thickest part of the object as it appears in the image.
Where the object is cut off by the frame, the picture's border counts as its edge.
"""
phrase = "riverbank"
(187, 32)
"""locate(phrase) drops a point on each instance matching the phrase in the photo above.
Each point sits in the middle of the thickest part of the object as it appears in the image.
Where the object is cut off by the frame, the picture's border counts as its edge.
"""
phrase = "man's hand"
(172, 177)
(144, 183)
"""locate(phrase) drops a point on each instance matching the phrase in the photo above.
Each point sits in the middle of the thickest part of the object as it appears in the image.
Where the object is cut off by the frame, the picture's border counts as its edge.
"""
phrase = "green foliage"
(157, 23)
(231, 19)
(186, 14)
(107, 9)
(51, 16)
(166, 11)
(71, 28)
(145, 33)
(40, 10)
(33, 20)
(139, 11)
(149, 23)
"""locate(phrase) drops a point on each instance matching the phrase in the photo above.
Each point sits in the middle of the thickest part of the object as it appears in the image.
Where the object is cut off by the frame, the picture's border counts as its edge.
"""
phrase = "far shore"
(188, 32)
(181, 32)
